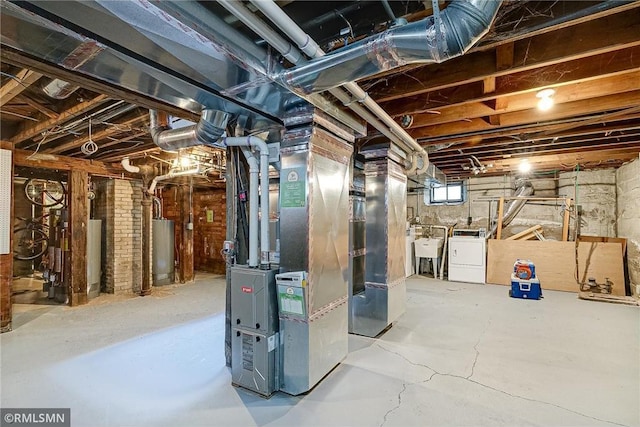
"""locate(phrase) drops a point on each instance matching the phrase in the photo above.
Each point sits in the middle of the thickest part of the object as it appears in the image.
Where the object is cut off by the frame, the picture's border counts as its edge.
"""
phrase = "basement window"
(444, 194)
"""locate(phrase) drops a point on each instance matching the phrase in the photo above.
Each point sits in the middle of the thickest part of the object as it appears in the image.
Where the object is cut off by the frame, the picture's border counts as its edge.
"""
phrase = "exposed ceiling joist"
(30, 131)
(14, 86)
(607, 34)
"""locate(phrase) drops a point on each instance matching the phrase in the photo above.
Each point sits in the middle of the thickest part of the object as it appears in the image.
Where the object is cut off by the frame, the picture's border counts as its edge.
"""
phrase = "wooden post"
(78, 219)
(146, 245)
(186, 246)
(6, 261)
(565, 222)
(500, 213)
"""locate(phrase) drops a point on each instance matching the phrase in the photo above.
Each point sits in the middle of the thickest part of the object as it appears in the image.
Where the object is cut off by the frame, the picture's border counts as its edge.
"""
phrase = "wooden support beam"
(499, 104)
(6, 265)
(504, 56)
(29, 132)
(565, 220)
(532, 116)
(500, 213)
(494, 120)
(489, 85)
(567, 161)
(525, 234)
(104, 145)
(14, 87)
(38, 106)
(96, 136)
(186, 245)
(51, 161)
(594, 37)
(501, 136)
(580, 91)
(79, 216)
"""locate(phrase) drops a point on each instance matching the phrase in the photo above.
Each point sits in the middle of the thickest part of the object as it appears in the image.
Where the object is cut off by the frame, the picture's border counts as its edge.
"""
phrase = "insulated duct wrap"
(461, 25)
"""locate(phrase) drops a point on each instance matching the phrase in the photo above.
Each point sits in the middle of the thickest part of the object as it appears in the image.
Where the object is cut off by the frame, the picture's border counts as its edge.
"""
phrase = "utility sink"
(428, 247)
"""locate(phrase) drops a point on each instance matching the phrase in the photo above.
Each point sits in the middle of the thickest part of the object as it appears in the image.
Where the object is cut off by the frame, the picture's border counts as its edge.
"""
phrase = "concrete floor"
(462, 354)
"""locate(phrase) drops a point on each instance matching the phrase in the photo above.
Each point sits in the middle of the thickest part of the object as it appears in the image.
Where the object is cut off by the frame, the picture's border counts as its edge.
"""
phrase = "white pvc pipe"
(293, 55)
(272, 11)
(252, 141)
(128, 166)
(253, 206)
(444, 248)
(172, 173)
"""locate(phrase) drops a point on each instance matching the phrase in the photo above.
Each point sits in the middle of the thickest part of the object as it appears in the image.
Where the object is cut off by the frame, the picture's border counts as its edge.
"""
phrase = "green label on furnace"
(293, 188)
(291, 300)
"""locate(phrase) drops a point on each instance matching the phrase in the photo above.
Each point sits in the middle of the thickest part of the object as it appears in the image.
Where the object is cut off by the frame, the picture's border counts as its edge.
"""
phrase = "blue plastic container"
(526, 289)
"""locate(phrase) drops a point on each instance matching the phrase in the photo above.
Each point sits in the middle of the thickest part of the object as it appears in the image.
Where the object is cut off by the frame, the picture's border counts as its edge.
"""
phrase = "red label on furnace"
(247, 290)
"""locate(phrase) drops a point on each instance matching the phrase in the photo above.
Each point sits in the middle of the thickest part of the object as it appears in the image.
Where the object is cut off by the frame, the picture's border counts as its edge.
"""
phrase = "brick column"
(119, 204)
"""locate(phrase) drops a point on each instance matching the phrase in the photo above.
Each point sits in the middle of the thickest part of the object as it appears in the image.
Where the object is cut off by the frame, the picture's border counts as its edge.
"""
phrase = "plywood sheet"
(555, 262)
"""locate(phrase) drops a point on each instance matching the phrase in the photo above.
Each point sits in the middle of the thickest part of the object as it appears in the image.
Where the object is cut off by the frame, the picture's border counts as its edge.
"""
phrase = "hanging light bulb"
(524, 166)
(185, 161)
(546, 99)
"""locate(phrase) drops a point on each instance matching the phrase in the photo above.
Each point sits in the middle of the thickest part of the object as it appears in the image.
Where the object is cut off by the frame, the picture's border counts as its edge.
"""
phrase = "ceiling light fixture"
(524, 166)
(546, 99)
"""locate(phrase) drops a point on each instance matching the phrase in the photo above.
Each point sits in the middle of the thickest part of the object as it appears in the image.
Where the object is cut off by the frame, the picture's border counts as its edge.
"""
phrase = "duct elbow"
(464, 23)
(126, 165)
(425, 164)
(414, 164)
(207, 131)
(211, 126)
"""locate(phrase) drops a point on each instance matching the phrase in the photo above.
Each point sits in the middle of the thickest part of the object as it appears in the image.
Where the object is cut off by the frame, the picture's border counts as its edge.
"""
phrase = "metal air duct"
(524, 188)
(375, 115)
(460, 26)
(206, 132)
(59, 89)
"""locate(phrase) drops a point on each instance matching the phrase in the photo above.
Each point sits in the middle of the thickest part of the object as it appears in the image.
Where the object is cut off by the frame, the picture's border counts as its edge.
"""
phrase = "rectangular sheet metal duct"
(384, 297)
(357, 229)
(314, 222)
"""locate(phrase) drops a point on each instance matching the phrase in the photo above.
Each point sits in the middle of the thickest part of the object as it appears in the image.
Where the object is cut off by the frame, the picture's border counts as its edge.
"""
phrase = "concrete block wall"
(596, 194)
(628, 217)
(118, 205)
(549, 216)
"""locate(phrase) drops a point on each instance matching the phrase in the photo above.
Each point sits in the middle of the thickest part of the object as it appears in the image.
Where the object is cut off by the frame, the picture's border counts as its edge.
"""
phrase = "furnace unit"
(254, 320)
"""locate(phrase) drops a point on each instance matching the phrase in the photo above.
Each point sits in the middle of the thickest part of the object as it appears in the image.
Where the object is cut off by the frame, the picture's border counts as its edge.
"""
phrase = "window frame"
(430, 198)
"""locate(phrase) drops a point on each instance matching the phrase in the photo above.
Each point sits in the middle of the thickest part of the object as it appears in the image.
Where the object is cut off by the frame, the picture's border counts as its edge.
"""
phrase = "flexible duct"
(523, 189)
(462, 24)
(208, 130)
